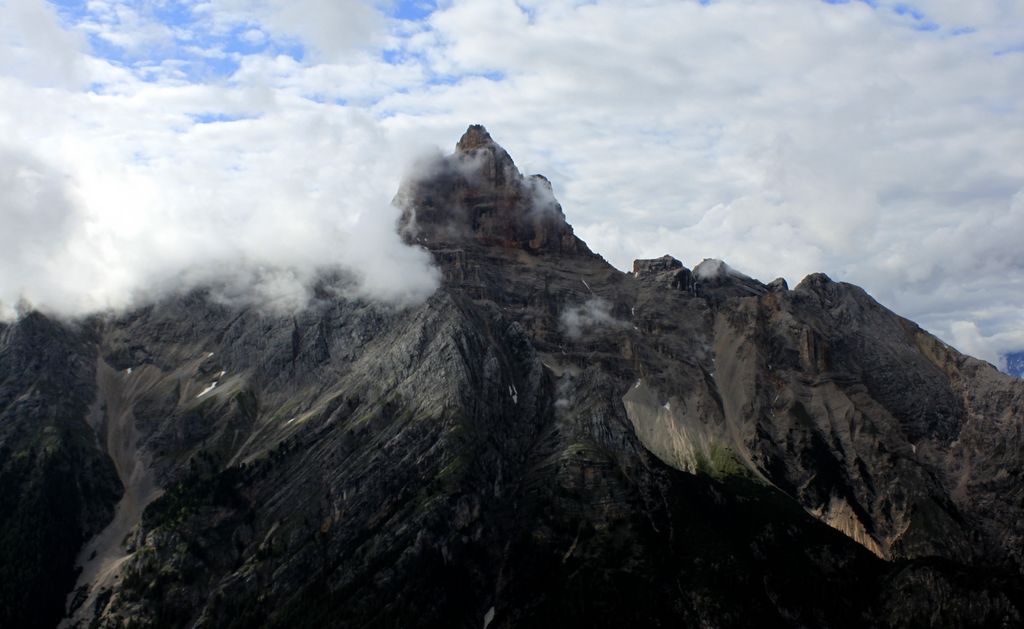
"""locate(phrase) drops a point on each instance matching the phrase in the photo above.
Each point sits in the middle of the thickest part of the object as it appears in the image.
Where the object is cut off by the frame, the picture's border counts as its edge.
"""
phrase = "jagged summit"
(712, 279)
(666, 271)
(476, 136)
(645, 267)
(478, 195)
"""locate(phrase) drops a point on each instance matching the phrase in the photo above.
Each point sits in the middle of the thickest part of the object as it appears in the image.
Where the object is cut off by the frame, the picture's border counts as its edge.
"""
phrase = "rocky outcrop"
(657, 266)
(546, 441)
(478, 194)
(666, 271)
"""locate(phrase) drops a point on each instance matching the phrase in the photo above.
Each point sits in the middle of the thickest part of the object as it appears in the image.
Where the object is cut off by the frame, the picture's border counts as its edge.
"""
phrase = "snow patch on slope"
(207, 389)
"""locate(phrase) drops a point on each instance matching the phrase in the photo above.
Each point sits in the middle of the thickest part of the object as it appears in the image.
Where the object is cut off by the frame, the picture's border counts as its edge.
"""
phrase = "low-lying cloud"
(593, 313)
(257, 208)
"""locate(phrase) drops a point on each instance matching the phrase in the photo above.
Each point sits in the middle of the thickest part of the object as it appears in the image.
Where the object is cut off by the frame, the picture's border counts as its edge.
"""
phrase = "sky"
(155, 145)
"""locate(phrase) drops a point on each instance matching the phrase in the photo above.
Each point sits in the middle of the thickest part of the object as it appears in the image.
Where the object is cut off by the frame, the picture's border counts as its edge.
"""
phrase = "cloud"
(595, 312)
(125, 27)
(263, 223)
(38, 218)
(879, 143)
(35, 48)
(328, 28)
(968, 337)
(254, 36)
(114, 198)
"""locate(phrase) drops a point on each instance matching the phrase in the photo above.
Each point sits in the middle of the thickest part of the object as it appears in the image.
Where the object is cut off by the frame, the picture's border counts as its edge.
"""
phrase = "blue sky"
(876, 141)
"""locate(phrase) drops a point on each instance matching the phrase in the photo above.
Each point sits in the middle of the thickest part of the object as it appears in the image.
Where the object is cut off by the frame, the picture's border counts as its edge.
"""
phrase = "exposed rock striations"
(546, 441)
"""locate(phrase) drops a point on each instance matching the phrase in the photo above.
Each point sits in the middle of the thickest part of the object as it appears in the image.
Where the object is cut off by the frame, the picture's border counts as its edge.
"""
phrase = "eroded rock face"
(667, 271)
(657, 266)
(546, 441)
(57, 487)
(856, 413)
(477, 193)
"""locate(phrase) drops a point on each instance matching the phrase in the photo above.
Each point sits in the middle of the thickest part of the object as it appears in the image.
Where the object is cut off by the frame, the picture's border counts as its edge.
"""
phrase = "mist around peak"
(262, 233)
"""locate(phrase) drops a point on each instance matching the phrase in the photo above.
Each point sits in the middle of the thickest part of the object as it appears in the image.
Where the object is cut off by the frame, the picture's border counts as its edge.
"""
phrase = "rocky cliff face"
(546, 441)
(478, 194)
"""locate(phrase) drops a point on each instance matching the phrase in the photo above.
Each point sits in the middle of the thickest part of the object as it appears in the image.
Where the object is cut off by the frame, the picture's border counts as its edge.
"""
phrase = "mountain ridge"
(546, 439)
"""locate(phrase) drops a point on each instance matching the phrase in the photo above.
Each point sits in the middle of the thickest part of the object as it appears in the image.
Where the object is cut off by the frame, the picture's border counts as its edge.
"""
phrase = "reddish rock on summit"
(478, 194)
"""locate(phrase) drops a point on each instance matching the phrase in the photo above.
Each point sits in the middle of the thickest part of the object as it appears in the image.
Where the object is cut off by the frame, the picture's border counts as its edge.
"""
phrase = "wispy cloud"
(593, 313)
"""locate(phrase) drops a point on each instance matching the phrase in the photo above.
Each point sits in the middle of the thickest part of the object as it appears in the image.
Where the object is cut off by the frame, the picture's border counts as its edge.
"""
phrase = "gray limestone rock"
(700, 449)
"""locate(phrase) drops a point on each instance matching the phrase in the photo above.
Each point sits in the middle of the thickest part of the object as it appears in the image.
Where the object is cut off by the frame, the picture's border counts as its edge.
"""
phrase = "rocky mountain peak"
(666, 271)
(476, 136)
(478, 195)
(644, 268)
(714, 269)
(545, 441)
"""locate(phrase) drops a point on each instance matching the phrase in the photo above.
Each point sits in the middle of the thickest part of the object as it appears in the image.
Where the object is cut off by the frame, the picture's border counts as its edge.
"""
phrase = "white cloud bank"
(111, 196)
(879, 144)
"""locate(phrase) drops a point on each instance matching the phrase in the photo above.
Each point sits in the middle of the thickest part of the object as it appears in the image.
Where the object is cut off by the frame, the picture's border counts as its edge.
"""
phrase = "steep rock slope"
(547, 440)
(870, 423)
(57, 488)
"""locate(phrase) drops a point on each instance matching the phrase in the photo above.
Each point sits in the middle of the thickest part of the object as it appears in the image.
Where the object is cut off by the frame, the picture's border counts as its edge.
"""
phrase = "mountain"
(545, 441)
